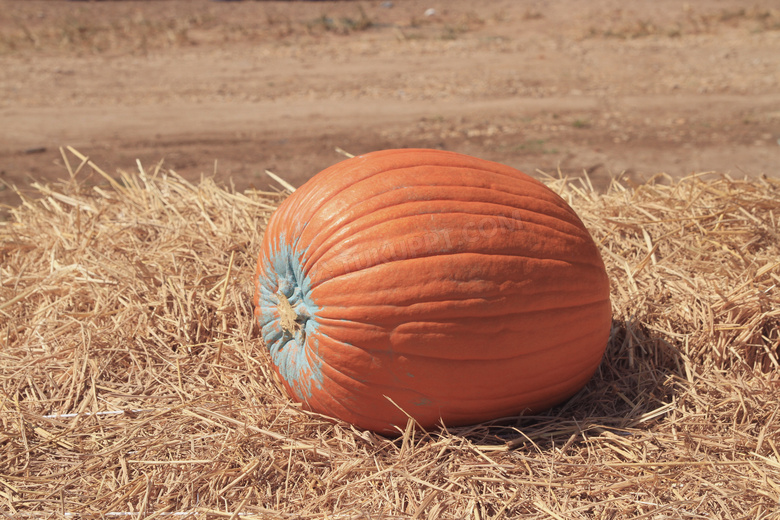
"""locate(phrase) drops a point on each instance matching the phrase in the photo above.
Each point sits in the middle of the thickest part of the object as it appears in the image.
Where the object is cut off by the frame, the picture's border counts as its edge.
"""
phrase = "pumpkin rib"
(327, 326)
(448, 237)
(373, 351)
(522, 198)
(343, 169)
(317, 283)
(274, 333)
(457, 316)
(392, 311)
(422, 357)
(374, 388)
(417, 189)
(534, 403)
(373, 223)
(363, 223)
(336, 404)
(529, 395)
(370, 352)
(492, 406)
(502, 389)
(323, 199)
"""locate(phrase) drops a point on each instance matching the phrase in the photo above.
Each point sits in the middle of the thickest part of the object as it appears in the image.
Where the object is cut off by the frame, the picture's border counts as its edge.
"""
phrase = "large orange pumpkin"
(433, 284)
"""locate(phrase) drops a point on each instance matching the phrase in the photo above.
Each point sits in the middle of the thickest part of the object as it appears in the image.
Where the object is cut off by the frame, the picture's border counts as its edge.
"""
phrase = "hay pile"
(134, 385)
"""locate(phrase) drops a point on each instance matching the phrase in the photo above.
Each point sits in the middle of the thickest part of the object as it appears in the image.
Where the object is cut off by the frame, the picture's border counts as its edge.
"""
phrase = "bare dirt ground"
(603, 86)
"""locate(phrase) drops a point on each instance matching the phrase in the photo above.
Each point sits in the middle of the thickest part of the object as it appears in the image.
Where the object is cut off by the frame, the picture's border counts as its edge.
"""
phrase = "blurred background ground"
(239, 87)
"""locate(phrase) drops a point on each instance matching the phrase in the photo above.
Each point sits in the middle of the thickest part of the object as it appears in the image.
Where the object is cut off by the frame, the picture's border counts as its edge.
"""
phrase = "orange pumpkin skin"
(429, 283)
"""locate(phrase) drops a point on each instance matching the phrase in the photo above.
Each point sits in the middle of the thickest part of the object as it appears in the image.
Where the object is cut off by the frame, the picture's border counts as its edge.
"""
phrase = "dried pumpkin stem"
(288, 315)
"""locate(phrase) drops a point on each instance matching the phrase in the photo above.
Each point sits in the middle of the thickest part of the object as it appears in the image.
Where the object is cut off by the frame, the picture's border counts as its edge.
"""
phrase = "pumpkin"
(432, 285)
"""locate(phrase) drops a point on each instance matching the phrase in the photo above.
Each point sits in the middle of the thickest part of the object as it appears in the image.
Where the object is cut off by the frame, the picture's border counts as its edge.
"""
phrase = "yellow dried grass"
(133, 383)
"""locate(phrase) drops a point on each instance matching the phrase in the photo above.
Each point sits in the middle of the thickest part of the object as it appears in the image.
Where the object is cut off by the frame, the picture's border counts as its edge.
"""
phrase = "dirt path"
(243, 87)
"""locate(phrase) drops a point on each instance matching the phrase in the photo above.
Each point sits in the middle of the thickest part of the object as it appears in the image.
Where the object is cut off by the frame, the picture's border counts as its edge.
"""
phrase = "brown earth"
(236, 88)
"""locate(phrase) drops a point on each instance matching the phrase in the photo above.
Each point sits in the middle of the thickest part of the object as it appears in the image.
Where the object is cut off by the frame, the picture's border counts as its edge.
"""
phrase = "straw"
(134, 383)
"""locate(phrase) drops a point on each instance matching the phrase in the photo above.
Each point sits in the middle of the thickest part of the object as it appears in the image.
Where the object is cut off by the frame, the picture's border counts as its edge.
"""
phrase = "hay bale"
(133, 382)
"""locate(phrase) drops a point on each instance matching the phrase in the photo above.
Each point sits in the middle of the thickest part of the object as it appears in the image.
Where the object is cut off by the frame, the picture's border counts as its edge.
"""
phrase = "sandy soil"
(240, 87)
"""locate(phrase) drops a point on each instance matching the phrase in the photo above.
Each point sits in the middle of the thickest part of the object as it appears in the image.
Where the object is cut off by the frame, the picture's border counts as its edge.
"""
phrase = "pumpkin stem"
(288, 315)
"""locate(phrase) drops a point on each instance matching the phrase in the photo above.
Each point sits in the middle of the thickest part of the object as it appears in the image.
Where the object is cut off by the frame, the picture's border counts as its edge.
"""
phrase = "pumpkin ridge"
(555, 381)
(539, 396)
(356, 415)
(541, 193)
(374, 220)
(413, 338)
(333, 170)
(353, 411)
(441, 316)
(434, 358)
(541, 390)
(375, 386)
(457, 315)
(323, 200)
(319, 282)
(314, 265)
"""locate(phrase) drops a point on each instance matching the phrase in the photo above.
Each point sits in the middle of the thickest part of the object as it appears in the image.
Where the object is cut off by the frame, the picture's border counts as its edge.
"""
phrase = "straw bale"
(134, 383)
